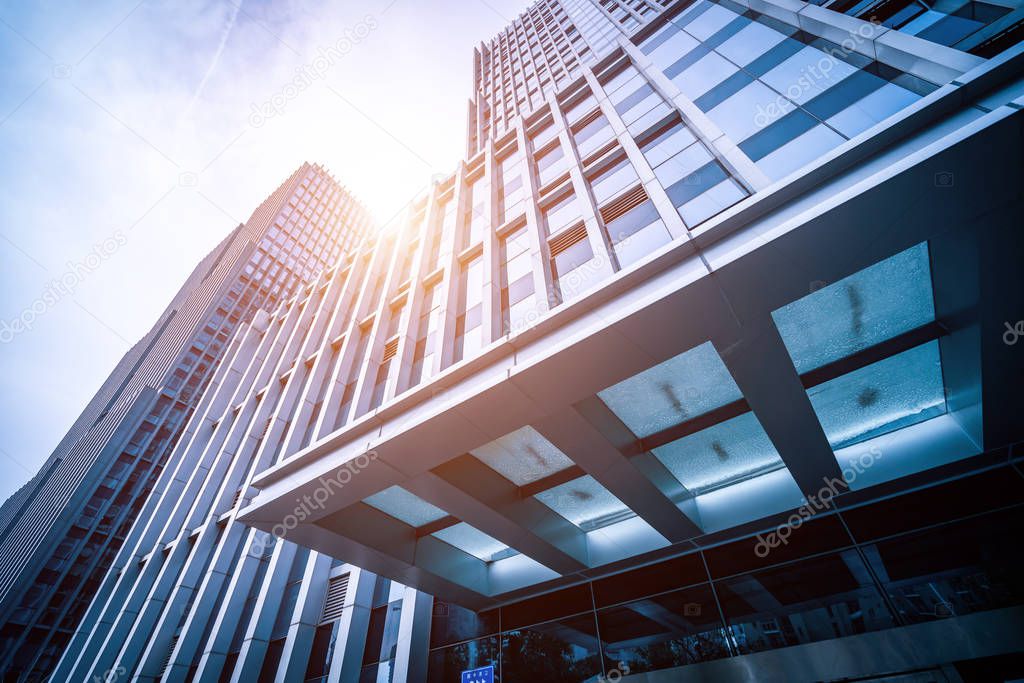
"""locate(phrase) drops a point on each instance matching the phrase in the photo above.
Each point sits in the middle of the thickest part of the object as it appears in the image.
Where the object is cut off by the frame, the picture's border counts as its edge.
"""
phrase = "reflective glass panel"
(665, 631)
(564, 651)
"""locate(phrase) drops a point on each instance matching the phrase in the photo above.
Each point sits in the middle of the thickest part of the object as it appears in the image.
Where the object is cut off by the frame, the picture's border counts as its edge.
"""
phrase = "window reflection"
(674, 629)
(803, 602)
(955, 569)
(447, 664)
(564, 651)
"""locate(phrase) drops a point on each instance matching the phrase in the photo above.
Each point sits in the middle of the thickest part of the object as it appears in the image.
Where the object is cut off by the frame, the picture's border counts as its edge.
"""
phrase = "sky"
(135, 135)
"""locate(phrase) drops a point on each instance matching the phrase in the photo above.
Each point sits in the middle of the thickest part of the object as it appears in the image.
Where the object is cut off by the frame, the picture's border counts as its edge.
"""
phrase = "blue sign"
(482, 675)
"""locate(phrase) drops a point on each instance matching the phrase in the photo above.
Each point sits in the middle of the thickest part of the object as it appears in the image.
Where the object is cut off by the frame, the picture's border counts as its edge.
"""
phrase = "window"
(476, 219)
(510, 200)
(611, 181)
(426, 338)
(561, 213)
(594, 132)
(550, 165)
(468, 324)
(517, 289)
(634, 226)
(574, 268)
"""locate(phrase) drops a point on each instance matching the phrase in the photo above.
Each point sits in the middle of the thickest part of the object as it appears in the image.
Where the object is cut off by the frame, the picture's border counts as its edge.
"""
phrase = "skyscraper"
(705, 351)
(62, 529)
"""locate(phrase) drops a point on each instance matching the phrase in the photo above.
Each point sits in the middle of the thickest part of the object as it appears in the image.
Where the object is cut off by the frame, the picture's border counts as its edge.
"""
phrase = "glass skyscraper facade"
(695, 368)
(62, 530)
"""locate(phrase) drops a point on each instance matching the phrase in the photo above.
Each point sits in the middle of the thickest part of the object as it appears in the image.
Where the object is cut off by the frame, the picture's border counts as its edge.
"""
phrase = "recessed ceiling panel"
(864, 309)
(406, 506)
(523, 456)
(681, 388)
(720, 455)
(882, 397)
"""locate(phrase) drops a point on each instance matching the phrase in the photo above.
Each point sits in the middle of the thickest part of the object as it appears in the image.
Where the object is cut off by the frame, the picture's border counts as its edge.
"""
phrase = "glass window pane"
(802, 602)
(871, 109)
(926, 581)
(801, 151)
(752, 41)
(705, 74)
(613, 181)
(753, 108)
(447, 664)
(807, 74)
(564, 651)
(669, 630)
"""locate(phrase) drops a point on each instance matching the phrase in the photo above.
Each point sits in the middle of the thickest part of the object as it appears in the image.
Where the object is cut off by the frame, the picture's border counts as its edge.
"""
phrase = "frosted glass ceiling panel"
(864, 309)
(471, 540)
(681, 388)
(882, 397)
(585, 503)
(728, 452)
(523, 456)
(405, 506)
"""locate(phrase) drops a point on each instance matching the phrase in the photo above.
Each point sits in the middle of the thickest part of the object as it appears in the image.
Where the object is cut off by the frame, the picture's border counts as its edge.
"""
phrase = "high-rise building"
(706, 351)
(61, 531)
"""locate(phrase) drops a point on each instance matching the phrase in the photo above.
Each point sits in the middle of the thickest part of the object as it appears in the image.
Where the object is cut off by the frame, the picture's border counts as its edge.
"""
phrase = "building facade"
(61, 531)
(694, 369)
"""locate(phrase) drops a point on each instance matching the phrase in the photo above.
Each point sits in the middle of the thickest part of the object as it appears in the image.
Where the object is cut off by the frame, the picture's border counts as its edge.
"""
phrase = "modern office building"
(61, 531)
(702, 365)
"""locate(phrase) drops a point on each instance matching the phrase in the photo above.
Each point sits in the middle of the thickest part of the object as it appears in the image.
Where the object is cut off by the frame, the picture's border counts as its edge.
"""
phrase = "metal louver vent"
(390, 349)
(167, 659)
(567, 238)
(624, 204)
(587, 120)
(335, 598)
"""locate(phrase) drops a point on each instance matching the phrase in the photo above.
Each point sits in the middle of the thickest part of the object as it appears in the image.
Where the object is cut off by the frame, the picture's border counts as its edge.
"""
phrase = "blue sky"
(129, 146)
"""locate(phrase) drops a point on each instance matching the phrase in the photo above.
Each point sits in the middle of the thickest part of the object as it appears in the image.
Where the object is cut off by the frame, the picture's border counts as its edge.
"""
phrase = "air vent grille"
(624, 204)
(337, 588)
(567, 238)
(390, 349)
